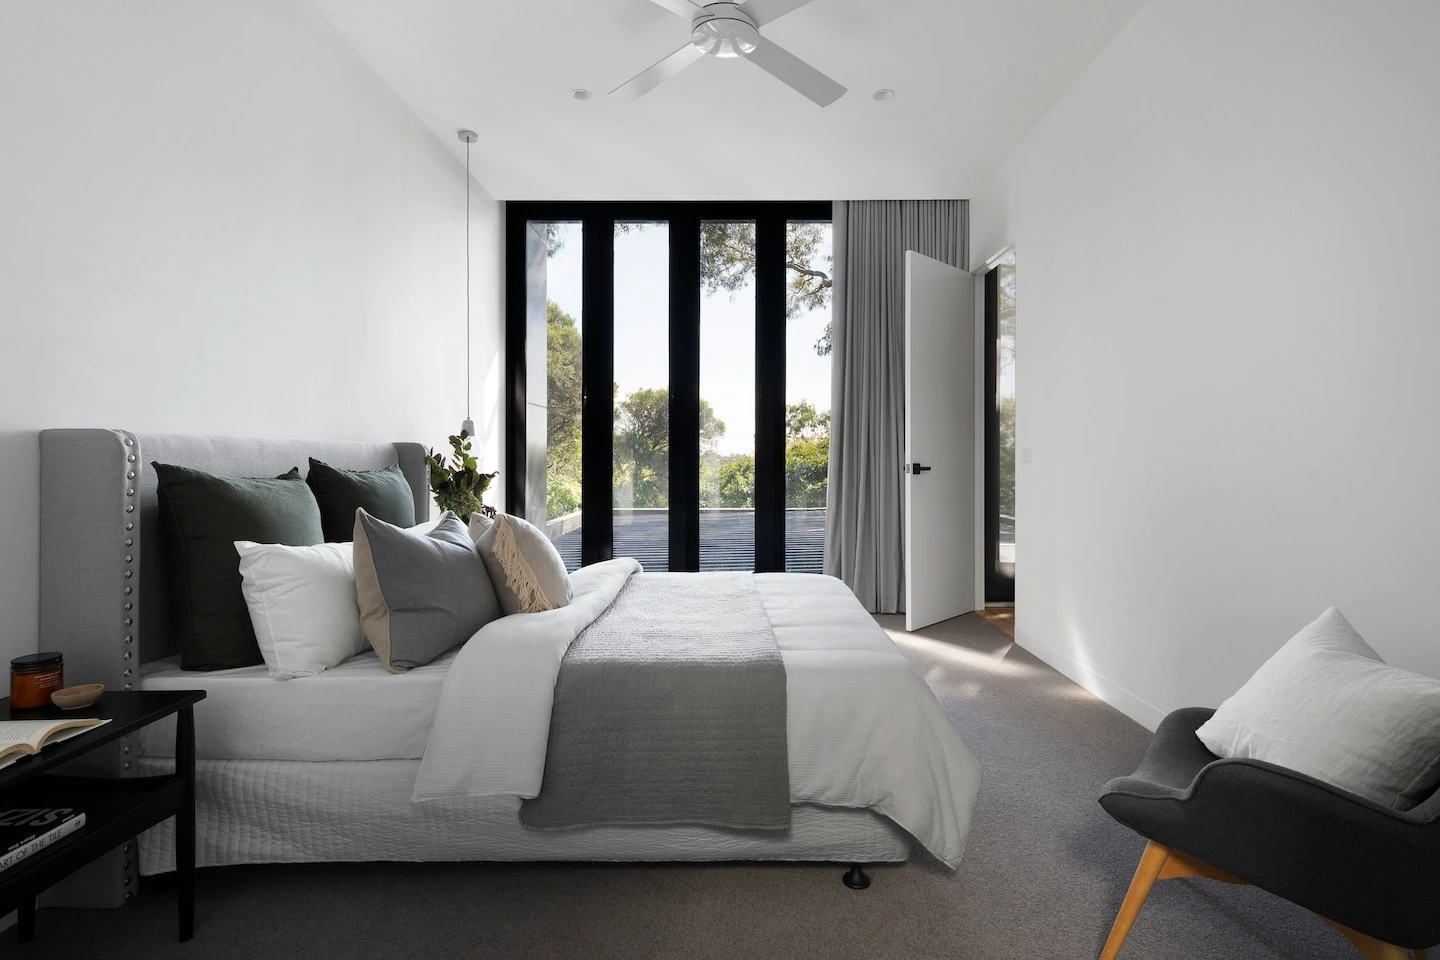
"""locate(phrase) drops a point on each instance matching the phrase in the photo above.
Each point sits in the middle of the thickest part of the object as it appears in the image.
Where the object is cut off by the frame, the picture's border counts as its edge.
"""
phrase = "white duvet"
(864, 730)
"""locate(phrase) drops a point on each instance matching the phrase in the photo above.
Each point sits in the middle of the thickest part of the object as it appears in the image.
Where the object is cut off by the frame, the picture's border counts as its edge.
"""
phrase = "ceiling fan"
(733, 30)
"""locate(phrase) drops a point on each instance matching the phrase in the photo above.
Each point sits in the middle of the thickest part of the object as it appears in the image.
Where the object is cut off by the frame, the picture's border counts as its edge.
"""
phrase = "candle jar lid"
(36, 662)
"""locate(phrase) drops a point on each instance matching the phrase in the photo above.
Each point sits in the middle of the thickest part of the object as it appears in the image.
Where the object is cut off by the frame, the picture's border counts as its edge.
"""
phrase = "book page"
(31, 732)
(23, 731)
(86, 727)
(17, 737)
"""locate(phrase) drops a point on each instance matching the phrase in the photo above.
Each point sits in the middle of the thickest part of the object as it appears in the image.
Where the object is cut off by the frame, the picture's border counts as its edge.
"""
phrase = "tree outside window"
(642, 434)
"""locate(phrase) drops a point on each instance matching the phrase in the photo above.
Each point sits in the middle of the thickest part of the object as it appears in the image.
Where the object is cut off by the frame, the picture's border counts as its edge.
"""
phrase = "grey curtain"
(864, 529)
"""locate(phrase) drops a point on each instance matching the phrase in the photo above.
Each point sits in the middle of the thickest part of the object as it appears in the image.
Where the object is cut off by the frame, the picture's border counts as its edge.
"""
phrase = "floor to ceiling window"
(808, 271)
(727, 395)
(679, 409)
(641, 424)
(554, 308)
(1000, 505)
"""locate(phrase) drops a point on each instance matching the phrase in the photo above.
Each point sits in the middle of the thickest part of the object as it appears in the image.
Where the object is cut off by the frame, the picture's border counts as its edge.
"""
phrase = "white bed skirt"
(287, 811)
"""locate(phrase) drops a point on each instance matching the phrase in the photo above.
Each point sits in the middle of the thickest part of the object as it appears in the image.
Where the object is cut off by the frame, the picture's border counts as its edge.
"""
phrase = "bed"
(329, 768)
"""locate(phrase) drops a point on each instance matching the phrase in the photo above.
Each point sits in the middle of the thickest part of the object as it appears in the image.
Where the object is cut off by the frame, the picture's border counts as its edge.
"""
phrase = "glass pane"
(727, 396)
(807, 393)
(642, 393)
(554, 283)
(1005, 405)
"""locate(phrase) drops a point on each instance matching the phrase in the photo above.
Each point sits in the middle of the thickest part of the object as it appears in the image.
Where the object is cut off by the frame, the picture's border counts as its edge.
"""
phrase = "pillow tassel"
(519, 575)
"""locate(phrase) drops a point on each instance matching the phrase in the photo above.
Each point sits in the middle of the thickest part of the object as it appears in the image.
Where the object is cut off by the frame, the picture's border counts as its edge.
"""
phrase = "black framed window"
(626, 433)
(1000, 452)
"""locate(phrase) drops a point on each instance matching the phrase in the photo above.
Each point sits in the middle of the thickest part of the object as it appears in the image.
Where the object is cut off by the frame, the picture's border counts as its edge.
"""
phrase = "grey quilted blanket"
(670, 708)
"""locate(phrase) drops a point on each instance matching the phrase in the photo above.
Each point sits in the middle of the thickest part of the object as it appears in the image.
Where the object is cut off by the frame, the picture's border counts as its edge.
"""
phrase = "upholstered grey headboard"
(102, 576)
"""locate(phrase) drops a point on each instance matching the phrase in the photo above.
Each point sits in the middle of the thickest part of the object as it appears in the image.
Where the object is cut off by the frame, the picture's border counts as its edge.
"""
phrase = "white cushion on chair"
(1327, 706)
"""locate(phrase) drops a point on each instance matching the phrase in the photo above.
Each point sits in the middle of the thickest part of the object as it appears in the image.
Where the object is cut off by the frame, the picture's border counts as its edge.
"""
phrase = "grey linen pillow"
(526, 569)
(420, 594)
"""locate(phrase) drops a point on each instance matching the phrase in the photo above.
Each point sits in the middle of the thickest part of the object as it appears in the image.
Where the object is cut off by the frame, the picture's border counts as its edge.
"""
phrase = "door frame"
(598, 363)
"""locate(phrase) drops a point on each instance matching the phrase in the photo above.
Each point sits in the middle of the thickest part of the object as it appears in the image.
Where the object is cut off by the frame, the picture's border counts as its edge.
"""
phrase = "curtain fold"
(864, 528)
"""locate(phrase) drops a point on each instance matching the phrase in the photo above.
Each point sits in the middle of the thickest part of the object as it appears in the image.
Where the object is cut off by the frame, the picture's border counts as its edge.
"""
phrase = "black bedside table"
(116, 809)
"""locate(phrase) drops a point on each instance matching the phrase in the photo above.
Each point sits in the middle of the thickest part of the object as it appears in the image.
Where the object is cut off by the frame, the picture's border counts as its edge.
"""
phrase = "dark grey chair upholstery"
(1354, 862)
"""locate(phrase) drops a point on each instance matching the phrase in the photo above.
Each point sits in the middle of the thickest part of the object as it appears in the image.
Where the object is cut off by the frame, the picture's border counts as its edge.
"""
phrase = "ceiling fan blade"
(764, 11)
(681, 8)
(651, 77)
(788, 68)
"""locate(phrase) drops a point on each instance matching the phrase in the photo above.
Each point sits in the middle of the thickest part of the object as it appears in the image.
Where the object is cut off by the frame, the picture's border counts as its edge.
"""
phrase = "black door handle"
(918, 468)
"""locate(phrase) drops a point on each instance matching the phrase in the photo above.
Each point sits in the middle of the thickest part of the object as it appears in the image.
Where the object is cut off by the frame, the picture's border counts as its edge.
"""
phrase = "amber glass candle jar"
(34, 677)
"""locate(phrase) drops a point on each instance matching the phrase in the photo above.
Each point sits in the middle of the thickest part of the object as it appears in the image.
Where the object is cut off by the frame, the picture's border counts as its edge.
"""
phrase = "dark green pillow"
(384, 494)
(201, 517)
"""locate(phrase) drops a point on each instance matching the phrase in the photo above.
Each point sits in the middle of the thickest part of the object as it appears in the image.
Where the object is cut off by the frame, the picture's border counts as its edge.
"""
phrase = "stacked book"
(26, 830)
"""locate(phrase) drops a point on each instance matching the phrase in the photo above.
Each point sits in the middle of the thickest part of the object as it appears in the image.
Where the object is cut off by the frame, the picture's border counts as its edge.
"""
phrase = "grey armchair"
(1370, 872)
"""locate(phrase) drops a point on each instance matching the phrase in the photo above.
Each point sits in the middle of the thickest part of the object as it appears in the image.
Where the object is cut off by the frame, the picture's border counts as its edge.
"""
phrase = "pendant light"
(467, 137)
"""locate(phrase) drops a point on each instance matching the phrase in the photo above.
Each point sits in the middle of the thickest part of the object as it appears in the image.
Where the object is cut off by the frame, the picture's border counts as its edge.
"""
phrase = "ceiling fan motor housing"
(724, 30)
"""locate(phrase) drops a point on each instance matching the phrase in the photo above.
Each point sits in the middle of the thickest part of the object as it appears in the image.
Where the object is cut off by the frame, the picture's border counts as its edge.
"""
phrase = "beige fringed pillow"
(524, 565)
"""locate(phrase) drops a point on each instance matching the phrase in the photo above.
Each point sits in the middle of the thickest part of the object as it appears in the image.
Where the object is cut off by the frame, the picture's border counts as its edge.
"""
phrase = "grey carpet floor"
(1044, 873)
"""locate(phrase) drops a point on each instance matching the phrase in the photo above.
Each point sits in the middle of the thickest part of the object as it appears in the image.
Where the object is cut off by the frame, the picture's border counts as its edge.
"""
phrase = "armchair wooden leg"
(1159, 862)
(1152, 861)
(1372, 949)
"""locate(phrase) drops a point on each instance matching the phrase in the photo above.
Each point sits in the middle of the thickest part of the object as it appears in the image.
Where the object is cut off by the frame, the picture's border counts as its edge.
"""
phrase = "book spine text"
(41, 842)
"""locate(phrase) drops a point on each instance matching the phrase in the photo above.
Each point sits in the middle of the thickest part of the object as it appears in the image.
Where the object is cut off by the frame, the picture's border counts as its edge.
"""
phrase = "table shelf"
(116, 809)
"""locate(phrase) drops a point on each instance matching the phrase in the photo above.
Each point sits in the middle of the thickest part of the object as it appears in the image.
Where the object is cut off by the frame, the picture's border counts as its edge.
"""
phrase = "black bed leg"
(855, 878)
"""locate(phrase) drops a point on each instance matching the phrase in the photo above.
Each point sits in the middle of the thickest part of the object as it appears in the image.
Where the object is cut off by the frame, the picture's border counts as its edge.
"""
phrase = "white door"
(940, 530)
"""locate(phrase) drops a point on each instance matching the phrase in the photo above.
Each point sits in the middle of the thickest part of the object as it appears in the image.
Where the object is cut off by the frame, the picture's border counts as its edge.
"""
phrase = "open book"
(21, 738)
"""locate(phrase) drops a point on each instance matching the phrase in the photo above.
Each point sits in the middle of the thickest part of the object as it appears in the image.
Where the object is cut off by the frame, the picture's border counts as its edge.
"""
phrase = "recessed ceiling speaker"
(732, 31)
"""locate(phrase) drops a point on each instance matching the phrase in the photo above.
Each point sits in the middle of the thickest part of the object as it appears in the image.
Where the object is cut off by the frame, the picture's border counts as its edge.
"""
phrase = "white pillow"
(425, 526)
(1326, 705)
(302, 605)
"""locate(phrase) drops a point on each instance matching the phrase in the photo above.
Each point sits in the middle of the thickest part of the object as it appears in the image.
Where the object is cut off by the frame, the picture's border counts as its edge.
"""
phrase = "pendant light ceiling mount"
(467, 136)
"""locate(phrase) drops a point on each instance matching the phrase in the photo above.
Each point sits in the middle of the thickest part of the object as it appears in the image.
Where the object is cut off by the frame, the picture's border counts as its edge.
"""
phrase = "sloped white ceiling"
(971, 77)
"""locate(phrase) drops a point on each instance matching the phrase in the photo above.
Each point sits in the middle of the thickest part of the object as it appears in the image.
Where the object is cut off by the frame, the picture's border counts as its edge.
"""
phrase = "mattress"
(276, 811)
(355, 711)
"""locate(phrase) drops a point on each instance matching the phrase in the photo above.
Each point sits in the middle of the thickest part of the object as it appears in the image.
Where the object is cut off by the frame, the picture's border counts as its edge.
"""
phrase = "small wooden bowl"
(78, 696)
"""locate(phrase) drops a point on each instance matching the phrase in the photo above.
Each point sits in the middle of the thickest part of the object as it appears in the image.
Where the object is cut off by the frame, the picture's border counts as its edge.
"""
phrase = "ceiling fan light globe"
(725, 37)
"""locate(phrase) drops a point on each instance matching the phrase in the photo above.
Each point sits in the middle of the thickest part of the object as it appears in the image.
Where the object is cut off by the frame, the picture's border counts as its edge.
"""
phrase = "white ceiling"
(971, 77)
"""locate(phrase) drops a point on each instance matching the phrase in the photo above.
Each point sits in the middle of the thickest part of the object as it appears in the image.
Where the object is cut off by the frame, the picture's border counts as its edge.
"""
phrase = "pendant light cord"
(467, 281)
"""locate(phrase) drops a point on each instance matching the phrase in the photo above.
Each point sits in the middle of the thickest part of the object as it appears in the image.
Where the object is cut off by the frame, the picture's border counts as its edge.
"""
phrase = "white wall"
(215, 218)
(1228, 243)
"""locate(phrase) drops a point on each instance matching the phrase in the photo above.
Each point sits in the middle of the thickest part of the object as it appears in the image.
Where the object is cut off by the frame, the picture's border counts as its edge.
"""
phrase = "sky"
(727, 333)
